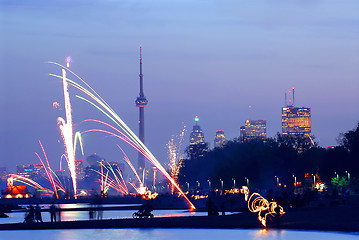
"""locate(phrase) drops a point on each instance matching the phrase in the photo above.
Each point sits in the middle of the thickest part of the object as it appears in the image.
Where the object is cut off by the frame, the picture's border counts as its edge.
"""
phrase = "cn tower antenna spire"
(141, 103)
(141, 75)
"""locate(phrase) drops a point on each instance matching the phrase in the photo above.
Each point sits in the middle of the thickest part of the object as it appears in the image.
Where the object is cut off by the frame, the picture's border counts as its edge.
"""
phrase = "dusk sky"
(207, 58)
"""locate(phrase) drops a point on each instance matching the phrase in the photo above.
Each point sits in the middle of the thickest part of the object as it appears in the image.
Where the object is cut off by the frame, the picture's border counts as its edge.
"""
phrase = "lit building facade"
(79, 169)
(219, 139)
(32, 171)
(197, 144)
(296, 120)
(196, 136)
(253, 130)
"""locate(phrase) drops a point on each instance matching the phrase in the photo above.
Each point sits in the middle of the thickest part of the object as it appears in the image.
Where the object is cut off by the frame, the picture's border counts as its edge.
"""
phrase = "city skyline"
(212, 60)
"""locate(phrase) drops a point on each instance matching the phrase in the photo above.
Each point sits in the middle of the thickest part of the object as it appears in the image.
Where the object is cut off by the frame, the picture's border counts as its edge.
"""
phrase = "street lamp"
(313, 179)
(187, 186)
(247, 181)
(348, 176)
(209, 185)
(337, 177)
(295, 180)
(234, 183)
(221, 184)
(277, 180)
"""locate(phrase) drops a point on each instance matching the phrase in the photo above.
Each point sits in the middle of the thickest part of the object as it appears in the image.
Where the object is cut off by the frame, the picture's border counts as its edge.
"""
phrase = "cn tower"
(141, 103)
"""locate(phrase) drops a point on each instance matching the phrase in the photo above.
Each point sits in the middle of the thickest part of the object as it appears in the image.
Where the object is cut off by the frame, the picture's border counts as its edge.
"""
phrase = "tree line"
(263, 163)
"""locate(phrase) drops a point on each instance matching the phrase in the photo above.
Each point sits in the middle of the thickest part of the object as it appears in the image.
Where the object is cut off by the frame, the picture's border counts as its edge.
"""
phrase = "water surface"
(174, 234)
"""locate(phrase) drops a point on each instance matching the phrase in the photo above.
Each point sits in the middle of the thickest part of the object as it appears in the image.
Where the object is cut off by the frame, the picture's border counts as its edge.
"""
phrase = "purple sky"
(206, 58)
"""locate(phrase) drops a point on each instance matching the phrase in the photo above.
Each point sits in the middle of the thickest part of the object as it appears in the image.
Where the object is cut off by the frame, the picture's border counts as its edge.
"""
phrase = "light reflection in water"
(174, 234)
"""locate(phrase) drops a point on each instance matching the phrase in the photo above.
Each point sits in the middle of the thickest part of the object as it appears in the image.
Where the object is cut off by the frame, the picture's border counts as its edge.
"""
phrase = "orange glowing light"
(260, 205)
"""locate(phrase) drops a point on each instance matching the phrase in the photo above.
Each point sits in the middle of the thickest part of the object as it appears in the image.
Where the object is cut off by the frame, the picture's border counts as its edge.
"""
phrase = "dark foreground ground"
(337, 218)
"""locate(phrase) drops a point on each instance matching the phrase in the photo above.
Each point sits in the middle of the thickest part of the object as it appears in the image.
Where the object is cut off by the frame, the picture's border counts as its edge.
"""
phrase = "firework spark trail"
(311, 139)
(123, 180)
(174, 150)
(66, 68)
(181, 138)
(49, 175)
(120, 137)
(109, 178)
(130, 164)
(115, 118)
(63, 156)
(110, 182)
(134, 187)
(78, 138)
(118, 181)
(58, 181)
(67, 133)
(28, 181)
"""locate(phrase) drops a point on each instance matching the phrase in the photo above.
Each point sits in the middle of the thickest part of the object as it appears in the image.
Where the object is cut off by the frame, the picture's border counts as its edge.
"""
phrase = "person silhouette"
(38, 217)
(53, 213)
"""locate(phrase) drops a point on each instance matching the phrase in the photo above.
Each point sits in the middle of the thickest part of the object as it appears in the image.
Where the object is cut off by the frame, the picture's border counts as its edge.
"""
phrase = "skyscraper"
(79, 169)
(32, 171)
(197, 144)
(196, 136)
(253, 130)
(219, 139)
(295, 120)
(141, 103)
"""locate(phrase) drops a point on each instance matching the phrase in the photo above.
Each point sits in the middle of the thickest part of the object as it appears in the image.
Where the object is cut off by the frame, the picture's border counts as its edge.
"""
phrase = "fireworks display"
(175, 156)
(67, 132)
(124, 132)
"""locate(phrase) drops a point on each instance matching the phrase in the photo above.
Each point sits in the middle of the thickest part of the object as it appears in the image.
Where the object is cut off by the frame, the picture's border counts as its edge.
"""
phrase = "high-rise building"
(253, 130)
(219, 139)
(295, 120)
(196, 136)
(32, 171)
(79, 169)
(197, 144)
(141, 103)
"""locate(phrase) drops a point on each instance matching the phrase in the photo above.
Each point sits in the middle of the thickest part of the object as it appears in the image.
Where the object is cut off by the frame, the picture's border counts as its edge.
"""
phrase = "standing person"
(53, 212)
(38, 217)
(30, 216)
(223, 209)
(58, 212)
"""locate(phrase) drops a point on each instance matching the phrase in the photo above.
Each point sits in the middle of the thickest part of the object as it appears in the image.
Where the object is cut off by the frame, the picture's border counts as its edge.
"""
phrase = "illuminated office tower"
(196, 136)
(79, 169)
(253, 130)
(197, 145)
(219, 139)
(295, 120)
(32, 171)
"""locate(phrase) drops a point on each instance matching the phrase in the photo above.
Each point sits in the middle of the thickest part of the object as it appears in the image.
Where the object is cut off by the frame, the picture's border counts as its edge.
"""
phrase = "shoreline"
(333, 219)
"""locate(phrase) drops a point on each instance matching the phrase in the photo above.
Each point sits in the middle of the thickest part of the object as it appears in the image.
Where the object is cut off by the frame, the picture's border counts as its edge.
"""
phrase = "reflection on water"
(173, 234)
(17, 217)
